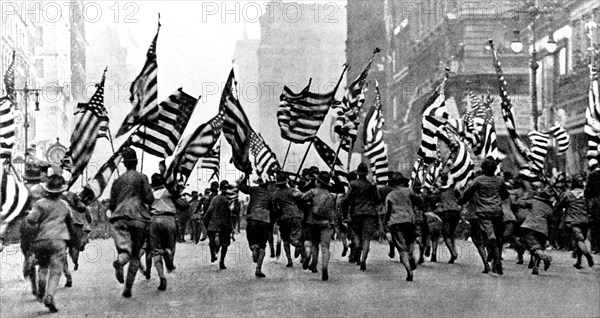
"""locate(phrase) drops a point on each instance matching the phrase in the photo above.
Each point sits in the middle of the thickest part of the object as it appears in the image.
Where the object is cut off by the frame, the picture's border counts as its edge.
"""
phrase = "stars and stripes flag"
(7, 128)
(592, 126)
(104, 131)
(96, 186)
(265, 160)
(435, 114)
(144, 92)
(9, 80)
(300, 115)
(212, 161)
(13, 197)
(236, 126)
(160, 136)
(485, 127)
(375, 147)
(191, 148)
(417, 172)
(461, 163)
(85, 135)
(328, 155)
(562, 138)
(347, 117)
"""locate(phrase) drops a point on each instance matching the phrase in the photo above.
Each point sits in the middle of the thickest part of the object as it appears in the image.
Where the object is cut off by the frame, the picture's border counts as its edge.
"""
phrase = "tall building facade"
(427, 36)
(298, 42)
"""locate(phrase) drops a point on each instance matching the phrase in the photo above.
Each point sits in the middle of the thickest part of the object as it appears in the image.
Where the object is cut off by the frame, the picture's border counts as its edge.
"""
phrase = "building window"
(39, 68)
(562, 61)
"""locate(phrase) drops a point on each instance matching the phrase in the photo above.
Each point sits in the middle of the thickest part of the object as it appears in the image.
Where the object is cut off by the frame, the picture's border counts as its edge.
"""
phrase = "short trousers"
(219, 238)
(450, 220)
(404, 235)
(534, 240)
(491, 225)
(129, 237)
(365, 225)
(321, 233)
(162, 234)
(257, 233)
(291, 230)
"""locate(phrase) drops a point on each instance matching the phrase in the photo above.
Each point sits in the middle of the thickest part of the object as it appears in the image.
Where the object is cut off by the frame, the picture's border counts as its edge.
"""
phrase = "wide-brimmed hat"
(55, 184)
(214, 186)
(314, 170)
(324, 177)
(224, 185)
(32, 173)
(129, 155)
(281, 179)
(362, 169)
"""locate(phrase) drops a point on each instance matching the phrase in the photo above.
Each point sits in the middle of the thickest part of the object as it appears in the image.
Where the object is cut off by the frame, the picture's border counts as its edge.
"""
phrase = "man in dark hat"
(400, 219)
(218, 220)
(52, 217)
(28, 233)
(258, 220)
(285, 201)
(130, 198)
(362, 203)
(162, 228)
(320, 220)
(486, 195)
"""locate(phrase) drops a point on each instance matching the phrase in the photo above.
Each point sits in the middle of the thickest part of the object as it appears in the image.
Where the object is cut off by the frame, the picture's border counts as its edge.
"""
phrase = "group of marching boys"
(308, 210)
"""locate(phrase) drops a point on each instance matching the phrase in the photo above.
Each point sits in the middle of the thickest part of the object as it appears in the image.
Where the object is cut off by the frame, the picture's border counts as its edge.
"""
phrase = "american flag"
(13, 197)
(488, 146)
(144, 92)
(507, 110)
(160, 136)
(265, 160)
(539, 149)
(347, 117)
(330, 158)
(435, 114)
(212, 161)
(461, 163)
(9, 80)
(191, 148)
(83, 139)
(592, 126)
(300, 115)
(7, 128)
(417, 171)
(375, 147)
(104, 131)
(96, 186)
(563, 140)
(236, 127)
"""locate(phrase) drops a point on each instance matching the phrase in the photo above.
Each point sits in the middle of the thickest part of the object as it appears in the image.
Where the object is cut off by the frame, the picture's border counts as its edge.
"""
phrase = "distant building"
(298, 42)
(246, 73)
(19, 34)
(428, 36)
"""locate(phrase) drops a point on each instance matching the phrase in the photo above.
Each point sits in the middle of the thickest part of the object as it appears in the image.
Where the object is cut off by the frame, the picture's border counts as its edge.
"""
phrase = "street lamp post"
(517, 46)
(26, 91)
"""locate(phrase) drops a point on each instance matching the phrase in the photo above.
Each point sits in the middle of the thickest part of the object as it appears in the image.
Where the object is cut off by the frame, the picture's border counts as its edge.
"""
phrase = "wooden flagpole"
(286, 155)
(304, 158)
(143, 151)
(112, 147)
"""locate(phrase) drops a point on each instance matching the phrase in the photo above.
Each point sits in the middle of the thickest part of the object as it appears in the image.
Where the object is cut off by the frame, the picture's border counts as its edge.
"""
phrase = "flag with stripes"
(191, 148)
(328, 155)
(160, 137)
(96, 186)
(435, 114)
(104, 131)
(539, 149)
(9, 80)
(417, 172)
(212, 161)
(236, 127)
(375, 147)
(83, 139)
(347, 117)
(7, 128)
(592, 116)
(507, 111)
(301, 114)
(12, 201)
(461, 163)
(563, 140)
(485, 126)
(265, 160)
(144, 92)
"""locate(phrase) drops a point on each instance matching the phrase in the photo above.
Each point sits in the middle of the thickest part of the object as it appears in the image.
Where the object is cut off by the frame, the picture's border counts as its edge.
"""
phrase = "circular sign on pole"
(56, 153)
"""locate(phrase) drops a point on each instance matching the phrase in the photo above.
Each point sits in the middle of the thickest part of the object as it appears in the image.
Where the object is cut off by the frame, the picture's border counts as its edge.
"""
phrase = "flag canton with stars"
(327, 154)
(96, 104)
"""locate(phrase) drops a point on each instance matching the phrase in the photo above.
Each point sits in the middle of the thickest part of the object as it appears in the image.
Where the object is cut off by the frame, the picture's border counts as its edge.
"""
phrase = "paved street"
(199, 288)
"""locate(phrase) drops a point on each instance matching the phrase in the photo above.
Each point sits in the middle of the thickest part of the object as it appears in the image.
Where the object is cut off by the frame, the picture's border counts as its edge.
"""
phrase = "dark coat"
(285, 201)
(53, 218)
(399, 206)
(131, 197)
(260, 205)
(575, 209)
(538, 217)
(218, 215)
(486, 194)
(446, 200)
(362, 198)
